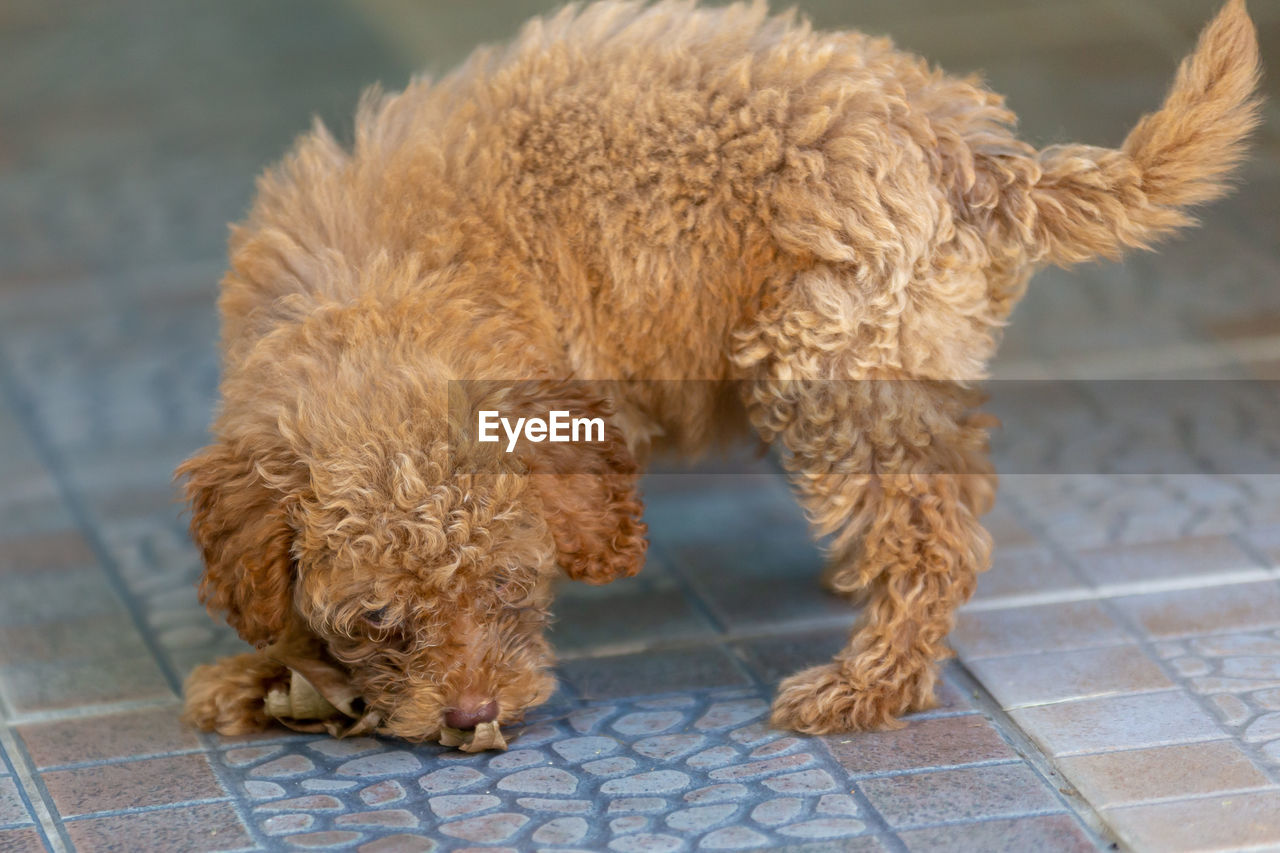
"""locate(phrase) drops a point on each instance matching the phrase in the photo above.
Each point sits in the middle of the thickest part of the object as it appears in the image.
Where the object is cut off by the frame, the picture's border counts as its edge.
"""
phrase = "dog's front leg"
(228, 696)
(895, 471)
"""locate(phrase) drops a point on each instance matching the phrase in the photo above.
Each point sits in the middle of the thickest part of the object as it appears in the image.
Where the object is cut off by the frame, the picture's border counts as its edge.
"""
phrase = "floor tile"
(1025, 570)
(921, 799)
(107, 634)
(1266, 539)
(775, 657)
(1019, 680)
(1200, 557)
(1007, 530)
(1240, 821)
(751, 582)
(1039, 628)
(655, 610)
(1162, 773)
(49, 596)
(32, 687)
(1058, 832)
(21, 840)
(653, 672)
(696, 511)
(1232, 668)
(861, 844)
(1117, 722)
(936, 743)
(147, 782)
(44, 552)
(119, 192)
(12, 809)
(1239, 607)
(126, 735)
(692, 766)
(212, 826)
(751, 604)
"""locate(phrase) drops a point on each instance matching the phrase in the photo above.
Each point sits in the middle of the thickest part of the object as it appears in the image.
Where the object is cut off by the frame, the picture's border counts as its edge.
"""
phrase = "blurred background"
(131, 132)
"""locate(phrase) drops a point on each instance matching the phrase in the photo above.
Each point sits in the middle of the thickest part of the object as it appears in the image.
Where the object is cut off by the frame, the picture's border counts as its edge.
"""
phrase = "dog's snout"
(469, 714)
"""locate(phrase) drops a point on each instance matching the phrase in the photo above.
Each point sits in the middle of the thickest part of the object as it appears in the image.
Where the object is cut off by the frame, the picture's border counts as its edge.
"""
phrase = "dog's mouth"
(483, 736)
(319, 697)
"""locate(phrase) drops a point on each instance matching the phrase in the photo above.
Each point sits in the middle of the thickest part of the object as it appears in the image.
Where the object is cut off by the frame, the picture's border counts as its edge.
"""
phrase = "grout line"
(1223, 736)
(962, 821)
(1040, 762)
(1145, 642)
(87, 711)
(1204, 701)
(690, 589)
(135, 810)
(122, 759)
(1192, 742)
(33, 792)
(1119, 590)
(1086, 647)
(226, 780)
(1150, 362)
(920, 771)
(1204, 795)
(1116, 694)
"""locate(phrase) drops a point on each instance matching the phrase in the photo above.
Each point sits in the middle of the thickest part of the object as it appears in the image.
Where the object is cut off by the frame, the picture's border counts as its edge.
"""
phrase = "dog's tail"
(1096, 201)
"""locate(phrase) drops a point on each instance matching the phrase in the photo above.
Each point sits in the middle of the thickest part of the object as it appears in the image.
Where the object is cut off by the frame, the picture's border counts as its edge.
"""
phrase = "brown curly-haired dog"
(641, 192)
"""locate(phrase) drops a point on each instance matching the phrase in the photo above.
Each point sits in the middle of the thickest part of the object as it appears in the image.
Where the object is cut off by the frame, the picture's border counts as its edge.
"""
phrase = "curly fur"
(643, 192)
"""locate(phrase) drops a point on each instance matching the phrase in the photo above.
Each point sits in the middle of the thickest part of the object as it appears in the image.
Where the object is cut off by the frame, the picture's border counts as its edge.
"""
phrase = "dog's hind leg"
(893, 470)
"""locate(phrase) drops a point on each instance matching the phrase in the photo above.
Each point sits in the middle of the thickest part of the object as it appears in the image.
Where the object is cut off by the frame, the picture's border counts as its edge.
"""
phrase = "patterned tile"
(1239, 674)
(673, 771)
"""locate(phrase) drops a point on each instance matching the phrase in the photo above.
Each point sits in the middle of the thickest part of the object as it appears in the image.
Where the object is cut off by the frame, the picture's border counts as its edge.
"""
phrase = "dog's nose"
(469, 714)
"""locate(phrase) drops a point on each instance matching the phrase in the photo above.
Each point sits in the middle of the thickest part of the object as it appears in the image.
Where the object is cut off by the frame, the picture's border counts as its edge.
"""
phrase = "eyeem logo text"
(558, 426)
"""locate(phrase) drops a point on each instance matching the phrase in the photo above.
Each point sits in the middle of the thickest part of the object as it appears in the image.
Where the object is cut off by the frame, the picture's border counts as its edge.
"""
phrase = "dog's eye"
(377, 618)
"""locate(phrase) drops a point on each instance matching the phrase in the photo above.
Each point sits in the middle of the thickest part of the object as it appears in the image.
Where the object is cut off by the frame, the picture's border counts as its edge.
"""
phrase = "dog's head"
(420, 559)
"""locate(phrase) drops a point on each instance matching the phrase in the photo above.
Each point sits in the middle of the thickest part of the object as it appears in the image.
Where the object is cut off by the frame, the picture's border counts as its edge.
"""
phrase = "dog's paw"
(826, 700)
(229, 696)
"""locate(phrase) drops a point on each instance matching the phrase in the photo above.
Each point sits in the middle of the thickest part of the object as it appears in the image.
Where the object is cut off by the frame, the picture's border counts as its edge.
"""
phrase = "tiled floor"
(1118, 677)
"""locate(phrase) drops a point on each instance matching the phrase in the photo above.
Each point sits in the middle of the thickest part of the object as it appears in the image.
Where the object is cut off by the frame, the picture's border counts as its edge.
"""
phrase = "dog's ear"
(589, 488)
(239, 523)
